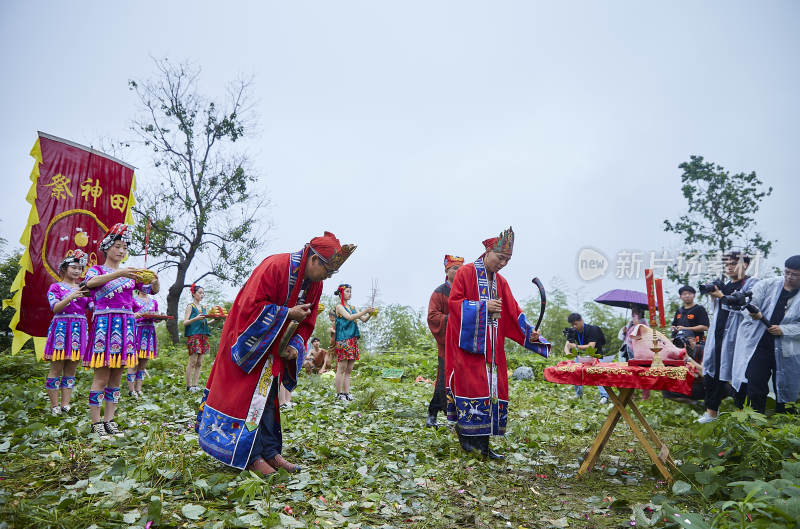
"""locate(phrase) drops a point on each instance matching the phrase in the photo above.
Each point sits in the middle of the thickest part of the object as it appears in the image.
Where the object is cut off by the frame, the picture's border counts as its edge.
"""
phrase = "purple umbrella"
(623, 298)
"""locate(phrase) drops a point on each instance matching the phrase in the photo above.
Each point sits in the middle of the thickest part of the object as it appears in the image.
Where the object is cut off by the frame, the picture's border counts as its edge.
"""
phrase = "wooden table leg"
(604, 434)
(618, 404)
(653, 436)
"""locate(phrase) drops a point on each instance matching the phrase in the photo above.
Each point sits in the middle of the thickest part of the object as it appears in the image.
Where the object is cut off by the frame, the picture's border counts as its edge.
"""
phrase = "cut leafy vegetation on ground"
(372, 464)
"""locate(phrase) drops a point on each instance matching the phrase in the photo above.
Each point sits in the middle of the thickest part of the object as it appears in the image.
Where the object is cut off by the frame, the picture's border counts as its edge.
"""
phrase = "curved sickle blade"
(543, 295)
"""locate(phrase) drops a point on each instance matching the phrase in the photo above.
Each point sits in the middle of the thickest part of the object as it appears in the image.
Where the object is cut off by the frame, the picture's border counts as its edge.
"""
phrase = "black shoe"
(113, 429)
(431, 422)
(491, 454)
(483, 443)
(466, 445)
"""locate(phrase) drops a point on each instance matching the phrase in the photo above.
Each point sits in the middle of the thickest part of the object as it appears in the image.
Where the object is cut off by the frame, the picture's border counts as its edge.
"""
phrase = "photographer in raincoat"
(768, 342)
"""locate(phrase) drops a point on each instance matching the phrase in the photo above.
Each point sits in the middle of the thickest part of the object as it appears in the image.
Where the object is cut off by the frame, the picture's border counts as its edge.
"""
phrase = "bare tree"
(204, 203)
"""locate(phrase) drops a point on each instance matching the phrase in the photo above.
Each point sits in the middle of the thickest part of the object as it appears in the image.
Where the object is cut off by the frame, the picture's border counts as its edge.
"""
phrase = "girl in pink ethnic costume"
(112, 344)
(145, 344)
(68, 336)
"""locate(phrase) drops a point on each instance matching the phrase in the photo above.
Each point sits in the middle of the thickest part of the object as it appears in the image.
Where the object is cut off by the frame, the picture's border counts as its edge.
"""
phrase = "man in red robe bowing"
(483, 313)
(239, 419)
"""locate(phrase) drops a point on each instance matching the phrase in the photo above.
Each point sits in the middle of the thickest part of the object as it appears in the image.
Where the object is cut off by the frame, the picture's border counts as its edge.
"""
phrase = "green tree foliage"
(203, 203)
(607, 319)
(9, 266)
(555, 318)
(398, 328)
(555, 321)
(323, 321)
(721, 212)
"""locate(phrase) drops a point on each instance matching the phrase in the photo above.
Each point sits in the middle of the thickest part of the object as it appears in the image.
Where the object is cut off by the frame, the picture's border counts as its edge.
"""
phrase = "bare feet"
(279, 462)
(262, 467)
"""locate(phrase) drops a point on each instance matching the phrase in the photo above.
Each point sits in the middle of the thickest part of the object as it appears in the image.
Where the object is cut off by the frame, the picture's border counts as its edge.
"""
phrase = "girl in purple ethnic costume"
(112, 338)
(145, 344)
(68, 336)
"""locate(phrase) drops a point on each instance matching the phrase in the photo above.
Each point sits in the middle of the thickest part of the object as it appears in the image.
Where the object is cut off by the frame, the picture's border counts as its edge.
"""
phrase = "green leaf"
(253, 519)
(154, 511)
(130, 517)
(681, 487)
(288, 521)
(300, 482)
(192, 511)
(704, 477)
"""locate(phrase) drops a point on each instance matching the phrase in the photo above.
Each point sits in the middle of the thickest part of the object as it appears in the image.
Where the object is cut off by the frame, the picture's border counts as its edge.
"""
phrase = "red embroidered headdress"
(331, 251)
(502, 244)
(452, 260)
(340, 291)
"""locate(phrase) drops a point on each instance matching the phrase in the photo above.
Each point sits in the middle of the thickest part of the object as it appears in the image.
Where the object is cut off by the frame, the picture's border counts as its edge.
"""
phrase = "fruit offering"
(145, 276)
(155, 316)
(217, 312)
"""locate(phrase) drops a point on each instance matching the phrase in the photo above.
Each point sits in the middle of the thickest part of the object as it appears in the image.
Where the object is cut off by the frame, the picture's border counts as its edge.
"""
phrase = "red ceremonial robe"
(476, 375)
(248, 361)
(437, 315)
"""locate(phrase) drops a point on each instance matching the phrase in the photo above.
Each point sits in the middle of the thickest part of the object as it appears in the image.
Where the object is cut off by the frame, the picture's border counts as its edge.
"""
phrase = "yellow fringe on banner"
(131, 361)
(25, 265)
(76, 355)
(129, 212)
(131, 201)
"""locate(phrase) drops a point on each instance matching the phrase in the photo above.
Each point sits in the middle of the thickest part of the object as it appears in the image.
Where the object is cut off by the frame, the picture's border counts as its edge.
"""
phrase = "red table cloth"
(621, 375)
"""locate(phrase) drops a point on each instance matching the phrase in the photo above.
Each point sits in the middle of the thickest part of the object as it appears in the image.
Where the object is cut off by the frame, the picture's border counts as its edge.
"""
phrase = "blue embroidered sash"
(255, 341)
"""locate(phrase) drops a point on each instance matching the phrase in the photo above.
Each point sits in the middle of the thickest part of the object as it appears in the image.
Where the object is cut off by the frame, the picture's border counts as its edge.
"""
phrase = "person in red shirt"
(437, 323)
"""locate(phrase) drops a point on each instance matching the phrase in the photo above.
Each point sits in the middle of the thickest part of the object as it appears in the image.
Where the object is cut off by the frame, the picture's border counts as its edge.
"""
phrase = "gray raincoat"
(729, 338)
(787, 347)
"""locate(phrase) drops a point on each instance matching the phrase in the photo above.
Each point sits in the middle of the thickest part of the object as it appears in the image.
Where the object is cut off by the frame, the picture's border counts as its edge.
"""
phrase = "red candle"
(660, 297)
(651, 300)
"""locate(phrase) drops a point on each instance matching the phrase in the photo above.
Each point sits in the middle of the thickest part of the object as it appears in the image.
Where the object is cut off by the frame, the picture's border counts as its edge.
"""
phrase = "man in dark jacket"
(437, 323)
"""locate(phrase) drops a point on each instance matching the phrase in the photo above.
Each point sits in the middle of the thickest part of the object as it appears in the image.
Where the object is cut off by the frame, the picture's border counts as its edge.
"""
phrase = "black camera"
(741, 300)
(570, 334)
(711, 287)
(738, 300)
(682, 338)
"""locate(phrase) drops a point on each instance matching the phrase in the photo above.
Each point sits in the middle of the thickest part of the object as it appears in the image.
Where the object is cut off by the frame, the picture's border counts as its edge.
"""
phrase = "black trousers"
(269, 438)
(439, 401)
(761, 367)
(715, 389)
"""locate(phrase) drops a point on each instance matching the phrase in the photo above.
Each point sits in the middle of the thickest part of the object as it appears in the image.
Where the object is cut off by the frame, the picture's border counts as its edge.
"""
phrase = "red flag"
(75, 195)
(660, 299)
(651, 299)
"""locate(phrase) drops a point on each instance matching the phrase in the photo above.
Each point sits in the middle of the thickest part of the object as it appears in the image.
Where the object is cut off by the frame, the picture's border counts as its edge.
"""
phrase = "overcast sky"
(416, 129)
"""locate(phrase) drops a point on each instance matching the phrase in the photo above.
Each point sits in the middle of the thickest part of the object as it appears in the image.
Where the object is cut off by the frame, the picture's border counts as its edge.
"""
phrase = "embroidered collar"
(483, 282)
(294, 271)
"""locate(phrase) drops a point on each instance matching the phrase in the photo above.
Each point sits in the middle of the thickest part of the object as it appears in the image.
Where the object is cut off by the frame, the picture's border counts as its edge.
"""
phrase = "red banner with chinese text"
(76, 194)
